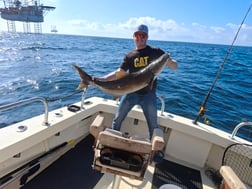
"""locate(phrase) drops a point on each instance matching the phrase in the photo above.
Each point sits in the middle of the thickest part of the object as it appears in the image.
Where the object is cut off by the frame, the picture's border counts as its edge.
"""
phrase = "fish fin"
(85, 78)
(81, 86)
(152, 83)
(120, 74)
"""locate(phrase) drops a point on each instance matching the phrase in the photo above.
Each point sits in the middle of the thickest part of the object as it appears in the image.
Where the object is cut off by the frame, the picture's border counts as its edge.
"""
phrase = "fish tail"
(85, 78)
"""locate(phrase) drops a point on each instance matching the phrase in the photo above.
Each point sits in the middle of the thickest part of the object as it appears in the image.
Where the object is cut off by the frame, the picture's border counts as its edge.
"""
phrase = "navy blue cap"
(142, 28)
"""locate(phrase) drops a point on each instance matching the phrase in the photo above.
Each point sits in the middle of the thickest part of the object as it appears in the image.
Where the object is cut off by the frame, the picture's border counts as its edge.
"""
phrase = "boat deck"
(73, 170)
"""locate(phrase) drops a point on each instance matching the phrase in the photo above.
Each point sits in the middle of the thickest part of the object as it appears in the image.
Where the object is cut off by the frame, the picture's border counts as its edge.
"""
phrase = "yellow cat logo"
(141, 62)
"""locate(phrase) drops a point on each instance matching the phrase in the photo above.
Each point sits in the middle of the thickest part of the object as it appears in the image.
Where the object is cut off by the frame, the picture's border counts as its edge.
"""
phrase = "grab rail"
(161, 98)
(245, 123)
(28, 101)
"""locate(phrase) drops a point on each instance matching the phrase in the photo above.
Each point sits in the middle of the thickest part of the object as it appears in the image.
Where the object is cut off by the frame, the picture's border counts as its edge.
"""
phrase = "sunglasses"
(140, 35)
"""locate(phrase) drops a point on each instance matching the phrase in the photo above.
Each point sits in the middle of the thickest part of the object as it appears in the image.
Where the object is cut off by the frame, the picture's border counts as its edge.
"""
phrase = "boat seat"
(123, 155)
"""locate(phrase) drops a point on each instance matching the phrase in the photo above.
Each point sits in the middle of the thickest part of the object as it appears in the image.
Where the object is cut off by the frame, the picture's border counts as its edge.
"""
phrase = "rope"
(203, 108)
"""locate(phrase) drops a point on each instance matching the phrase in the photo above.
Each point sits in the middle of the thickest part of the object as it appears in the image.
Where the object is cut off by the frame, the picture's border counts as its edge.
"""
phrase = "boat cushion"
(114, 139)
(157, 140)
(97, 126)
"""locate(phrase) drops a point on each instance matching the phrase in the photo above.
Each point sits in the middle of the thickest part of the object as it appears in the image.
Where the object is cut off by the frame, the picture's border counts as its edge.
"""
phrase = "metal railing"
(245, 123)
(28, 101)
(161, 98)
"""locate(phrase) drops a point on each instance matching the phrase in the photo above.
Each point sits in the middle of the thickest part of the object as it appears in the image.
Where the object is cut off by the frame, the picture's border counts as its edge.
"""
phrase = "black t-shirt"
(136, 60)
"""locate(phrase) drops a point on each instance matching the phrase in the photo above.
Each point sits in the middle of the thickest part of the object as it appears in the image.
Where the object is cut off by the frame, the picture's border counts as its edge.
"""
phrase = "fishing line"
(60, 98)
(203, 108)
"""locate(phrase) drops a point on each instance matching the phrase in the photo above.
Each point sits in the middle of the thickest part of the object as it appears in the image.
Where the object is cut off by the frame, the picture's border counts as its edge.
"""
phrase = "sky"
(200, 21)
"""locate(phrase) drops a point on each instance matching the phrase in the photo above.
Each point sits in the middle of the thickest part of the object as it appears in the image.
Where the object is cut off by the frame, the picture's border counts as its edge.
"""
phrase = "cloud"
(199, 26)
(167, 30)
(158, 29)
(217, 29)
(221, 34)
(93, 26)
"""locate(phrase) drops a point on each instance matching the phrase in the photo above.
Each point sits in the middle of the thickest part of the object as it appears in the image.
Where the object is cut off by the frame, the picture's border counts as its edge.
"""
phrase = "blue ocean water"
(41, 65)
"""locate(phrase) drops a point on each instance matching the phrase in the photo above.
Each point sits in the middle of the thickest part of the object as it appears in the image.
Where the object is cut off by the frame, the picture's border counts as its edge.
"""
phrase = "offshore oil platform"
(24, 11)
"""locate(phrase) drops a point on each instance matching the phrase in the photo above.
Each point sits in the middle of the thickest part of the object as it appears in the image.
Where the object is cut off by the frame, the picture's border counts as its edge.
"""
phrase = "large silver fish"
(129, 83)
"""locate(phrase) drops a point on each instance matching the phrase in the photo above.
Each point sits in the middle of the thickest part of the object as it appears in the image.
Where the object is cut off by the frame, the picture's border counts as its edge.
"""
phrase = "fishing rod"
(203, 105)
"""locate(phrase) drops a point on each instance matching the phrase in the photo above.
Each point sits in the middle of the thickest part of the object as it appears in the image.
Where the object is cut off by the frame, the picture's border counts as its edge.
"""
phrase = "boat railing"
(161, 98)
(28, 101)
(242, 124)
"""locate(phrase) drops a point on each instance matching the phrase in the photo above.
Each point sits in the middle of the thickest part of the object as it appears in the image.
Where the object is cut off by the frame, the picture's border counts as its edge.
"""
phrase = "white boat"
(64, 148)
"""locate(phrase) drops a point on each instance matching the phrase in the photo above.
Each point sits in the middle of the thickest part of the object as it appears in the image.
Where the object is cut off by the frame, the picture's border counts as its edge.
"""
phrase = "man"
(134, 61)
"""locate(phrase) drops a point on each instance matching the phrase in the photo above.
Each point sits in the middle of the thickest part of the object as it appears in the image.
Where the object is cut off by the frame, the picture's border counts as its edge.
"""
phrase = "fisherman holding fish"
(135, 79)
(134, 61)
